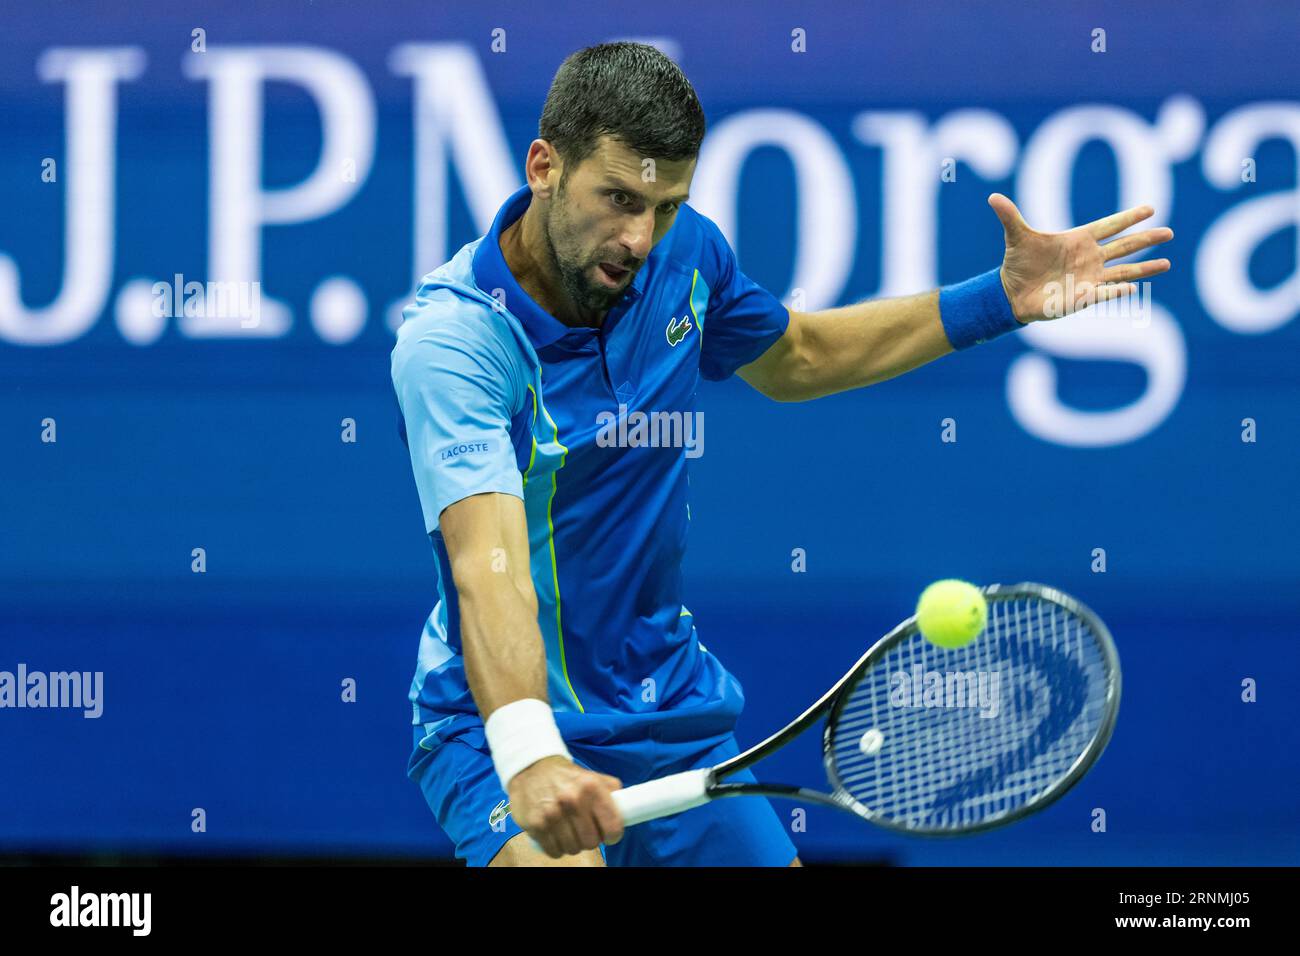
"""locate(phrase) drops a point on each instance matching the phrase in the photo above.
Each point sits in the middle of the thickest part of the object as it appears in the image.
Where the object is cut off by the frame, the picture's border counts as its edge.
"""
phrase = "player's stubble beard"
(564, 247)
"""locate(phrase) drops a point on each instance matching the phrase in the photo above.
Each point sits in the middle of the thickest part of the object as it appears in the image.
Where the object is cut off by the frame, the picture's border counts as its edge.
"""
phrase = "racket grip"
(662, 797)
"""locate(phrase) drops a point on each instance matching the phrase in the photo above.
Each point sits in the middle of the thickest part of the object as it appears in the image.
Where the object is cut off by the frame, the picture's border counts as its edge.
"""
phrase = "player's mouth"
(613, 275)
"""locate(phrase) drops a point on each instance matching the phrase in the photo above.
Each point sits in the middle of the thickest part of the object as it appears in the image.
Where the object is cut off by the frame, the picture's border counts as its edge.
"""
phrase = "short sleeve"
(742, 319)
(456, 402)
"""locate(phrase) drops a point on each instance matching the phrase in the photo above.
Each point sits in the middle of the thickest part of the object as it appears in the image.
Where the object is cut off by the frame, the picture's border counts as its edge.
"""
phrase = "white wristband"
(520, 734)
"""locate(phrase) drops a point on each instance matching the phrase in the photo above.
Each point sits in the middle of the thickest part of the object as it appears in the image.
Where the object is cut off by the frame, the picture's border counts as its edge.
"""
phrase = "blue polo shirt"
(593, 429)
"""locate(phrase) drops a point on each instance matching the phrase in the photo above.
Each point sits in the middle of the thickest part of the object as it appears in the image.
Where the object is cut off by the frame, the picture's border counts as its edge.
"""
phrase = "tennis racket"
(905, 748)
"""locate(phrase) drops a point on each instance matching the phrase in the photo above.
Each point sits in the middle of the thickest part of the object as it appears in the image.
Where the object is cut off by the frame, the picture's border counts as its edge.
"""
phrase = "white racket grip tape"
(662, 797)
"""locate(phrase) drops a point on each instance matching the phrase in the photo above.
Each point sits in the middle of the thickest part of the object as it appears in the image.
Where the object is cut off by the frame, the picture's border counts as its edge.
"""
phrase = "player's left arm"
(835, 350)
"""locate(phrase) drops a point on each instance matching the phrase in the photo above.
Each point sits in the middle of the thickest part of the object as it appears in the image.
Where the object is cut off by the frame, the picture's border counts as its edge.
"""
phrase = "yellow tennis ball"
(951, 613)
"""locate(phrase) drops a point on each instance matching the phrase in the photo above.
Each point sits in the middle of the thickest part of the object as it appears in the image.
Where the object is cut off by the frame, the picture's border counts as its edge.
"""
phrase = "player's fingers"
(553, 831)
(1135, 270)
(586, 826)
(567, 837)
(608, 817)
(595, 804)
(544, 841)
(1012, 222)
(606, 811)
(1127, 245)
(1117, 222)
(1105, 292)
(558, 824)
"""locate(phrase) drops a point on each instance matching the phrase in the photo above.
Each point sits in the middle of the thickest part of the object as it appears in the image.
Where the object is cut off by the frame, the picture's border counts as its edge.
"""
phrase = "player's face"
(607, 215)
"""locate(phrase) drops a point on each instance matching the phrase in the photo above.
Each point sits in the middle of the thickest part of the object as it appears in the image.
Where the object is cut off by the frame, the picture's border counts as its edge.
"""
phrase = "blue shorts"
(460, 784)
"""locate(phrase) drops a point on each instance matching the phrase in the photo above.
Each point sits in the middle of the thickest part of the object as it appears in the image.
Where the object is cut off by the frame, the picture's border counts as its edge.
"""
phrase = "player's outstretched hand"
(1050, 274)
(564, 808)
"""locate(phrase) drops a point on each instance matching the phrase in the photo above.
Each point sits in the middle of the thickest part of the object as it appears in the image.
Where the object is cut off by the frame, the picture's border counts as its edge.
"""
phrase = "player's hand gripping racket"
(927, 759)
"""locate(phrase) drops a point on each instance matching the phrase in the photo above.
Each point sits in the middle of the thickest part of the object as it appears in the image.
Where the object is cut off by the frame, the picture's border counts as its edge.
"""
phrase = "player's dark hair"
(629, 91)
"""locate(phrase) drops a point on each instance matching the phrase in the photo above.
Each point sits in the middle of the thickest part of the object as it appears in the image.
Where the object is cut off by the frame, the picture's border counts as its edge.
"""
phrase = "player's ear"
(543, 169)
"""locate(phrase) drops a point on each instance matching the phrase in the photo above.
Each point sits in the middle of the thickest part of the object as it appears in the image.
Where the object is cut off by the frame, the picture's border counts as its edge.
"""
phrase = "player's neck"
(523, 247)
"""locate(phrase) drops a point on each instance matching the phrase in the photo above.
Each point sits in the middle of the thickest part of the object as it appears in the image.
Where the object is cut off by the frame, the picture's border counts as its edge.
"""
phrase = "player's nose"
(638, 236)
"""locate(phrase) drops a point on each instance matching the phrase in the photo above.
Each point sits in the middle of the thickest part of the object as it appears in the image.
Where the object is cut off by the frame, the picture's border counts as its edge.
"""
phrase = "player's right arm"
(458, 387)
(563, 807)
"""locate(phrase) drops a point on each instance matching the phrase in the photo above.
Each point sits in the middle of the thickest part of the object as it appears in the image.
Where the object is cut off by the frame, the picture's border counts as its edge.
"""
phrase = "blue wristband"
(976, 310)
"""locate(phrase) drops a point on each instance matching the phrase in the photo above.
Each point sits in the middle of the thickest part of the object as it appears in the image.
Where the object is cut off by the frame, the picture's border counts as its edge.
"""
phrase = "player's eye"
(621, 199)
(668, 208)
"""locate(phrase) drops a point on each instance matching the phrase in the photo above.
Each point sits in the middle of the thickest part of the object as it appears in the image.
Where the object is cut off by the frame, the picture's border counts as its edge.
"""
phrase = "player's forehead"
(618, 165)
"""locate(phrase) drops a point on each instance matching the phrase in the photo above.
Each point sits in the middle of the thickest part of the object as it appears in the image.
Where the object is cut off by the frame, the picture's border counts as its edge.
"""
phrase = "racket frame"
(832, 702)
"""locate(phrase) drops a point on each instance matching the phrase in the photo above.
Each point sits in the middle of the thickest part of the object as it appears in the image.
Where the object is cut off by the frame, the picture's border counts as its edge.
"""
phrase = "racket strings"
(973, 734)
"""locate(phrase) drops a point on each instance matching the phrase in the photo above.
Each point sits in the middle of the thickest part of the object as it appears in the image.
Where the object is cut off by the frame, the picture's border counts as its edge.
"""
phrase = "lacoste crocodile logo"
(497, 817)
(677, 329)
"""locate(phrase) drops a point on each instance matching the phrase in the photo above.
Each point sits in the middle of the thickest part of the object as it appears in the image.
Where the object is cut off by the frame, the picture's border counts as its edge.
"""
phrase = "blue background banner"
(324, 158)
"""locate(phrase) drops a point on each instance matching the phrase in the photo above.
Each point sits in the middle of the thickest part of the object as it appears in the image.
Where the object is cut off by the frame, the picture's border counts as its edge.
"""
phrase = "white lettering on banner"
(1223, 259)
(826, 223)
(1095, 334)
(238, 206)
(457, 126)
(1144, 154)
(910, 185)
(90, 132)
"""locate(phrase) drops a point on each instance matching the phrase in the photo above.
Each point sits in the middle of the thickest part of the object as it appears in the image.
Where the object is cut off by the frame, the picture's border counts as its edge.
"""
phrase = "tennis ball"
(871, 742)
(951, 613)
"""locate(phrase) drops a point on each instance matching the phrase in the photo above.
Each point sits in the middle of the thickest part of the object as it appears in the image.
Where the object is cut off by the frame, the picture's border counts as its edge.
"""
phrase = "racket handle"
(662, 797)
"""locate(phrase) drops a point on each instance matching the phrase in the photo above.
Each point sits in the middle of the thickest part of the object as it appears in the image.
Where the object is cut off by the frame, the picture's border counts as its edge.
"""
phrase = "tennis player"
(559, 662)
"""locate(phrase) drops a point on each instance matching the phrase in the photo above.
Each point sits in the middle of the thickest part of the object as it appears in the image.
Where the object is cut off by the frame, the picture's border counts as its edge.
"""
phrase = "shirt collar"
(491, 272)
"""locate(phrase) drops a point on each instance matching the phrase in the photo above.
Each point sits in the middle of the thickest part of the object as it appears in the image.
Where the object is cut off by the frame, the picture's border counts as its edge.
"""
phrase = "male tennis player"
(559, 662)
